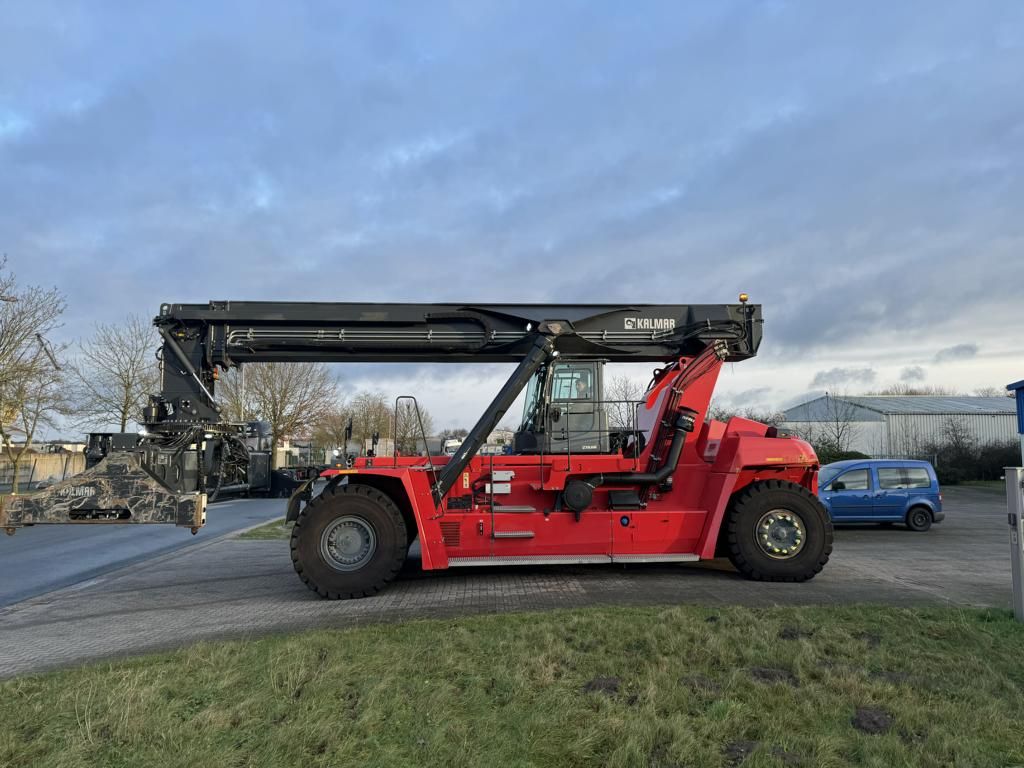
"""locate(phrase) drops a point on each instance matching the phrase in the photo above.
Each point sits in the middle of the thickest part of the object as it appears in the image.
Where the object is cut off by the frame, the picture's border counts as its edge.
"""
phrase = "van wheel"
(778, 531)
(919, 519)
(349, 542)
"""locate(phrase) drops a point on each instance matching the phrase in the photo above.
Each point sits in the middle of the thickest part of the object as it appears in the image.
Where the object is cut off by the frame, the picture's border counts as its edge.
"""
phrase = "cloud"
(836, 377)
(957, 352)
(913, 373)
(746, 398)
(500, 152)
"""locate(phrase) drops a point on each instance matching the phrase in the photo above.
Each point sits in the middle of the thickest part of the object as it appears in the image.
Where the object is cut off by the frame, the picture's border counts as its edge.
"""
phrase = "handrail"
(423, 435)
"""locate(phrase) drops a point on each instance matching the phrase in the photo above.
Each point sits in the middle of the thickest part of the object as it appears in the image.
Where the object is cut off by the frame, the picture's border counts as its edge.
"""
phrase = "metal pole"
(543, 348)
(1015, 517)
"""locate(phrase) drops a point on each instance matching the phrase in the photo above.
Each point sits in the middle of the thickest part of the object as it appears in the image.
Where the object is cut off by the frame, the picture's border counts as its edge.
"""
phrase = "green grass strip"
(679, 686)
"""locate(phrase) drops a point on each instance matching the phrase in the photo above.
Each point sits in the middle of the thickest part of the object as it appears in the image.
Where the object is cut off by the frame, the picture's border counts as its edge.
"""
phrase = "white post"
(1015, 516)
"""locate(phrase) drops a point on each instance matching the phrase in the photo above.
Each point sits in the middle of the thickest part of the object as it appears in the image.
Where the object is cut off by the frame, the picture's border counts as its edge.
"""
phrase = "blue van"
(881, 491)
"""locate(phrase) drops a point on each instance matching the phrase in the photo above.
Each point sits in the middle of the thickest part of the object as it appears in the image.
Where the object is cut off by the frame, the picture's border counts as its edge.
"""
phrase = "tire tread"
(752, 494)
(304, 519)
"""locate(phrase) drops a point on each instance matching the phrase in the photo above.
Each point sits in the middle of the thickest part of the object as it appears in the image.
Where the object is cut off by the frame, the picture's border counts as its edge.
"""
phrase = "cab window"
(918, 477)
(854, 480)
(890, 478)
(572, 382)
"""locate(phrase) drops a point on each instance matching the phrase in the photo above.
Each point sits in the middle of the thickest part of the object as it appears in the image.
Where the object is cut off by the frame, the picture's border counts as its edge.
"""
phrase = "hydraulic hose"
(684, 425)
(579, 492)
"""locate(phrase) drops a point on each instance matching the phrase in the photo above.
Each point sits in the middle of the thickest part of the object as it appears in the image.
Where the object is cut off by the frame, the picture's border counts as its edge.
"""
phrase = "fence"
(36, 468)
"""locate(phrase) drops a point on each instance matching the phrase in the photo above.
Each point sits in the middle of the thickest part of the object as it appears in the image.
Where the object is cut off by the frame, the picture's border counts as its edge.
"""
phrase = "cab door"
(851, 495)
(576, 420)
(892, 494)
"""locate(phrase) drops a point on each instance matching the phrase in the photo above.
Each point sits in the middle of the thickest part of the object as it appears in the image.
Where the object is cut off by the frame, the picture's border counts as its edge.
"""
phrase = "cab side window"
(854, 480)
(572, 382)
(918, 477)
(891, 478)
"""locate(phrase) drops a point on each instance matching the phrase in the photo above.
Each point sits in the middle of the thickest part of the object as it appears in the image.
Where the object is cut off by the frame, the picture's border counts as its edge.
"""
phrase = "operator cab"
(564, 411)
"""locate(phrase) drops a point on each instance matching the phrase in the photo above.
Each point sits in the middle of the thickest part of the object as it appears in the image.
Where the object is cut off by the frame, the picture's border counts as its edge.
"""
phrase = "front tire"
(778, 531)
(919, 519)
(349, 542)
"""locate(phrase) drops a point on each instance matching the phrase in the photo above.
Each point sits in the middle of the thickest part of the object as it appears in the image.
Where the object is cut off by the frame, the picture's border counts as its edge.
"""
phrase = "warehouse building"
(904, 426)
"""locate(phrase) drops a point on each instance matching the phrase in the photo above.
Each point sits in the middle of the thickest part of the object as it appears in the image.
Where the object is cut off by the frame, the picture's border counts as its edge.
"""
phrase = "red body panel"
(717, 461)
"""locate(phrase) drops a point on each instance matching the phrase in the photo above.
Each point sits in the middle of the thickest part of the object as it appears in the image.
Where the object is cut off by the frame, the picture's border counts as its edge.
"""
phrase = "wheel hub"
(780, 534)
(348, 543)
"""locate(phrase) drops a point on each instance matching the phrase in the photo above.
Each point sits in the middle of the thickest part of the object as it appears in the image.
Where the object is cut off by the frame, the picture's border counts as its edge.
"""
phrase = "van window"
(854, 480)
(918, 477)
(889, 478)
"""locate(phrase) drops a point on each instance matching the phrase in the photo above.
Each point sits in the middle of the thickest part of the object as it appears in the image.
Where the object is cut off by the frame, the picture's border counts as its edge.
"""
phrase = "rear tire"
(919, 519)
(778, 531)
(349, 542)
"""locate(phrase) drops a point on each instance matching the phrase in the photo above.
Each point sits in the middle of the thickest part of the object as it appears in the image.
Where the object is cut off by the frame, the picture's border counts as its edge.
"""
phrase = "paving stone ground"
(239, 588)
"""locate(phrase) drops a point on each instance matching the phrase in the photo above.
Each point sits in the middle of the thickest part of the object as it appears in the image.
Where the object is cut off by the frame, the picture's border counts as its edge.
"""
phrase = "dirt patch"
(771, 675)
(701, 683)
(871, 637)
(658, 757)
(912, 737)
(787, 758)
(609, 686)
(871, 720)
(794, 633)
(738, 751)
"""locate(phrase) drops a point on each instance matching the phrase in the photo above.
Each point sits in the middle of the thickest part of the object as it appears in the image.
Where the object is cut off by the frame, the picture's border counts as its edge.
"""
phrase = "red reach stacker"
(668, 485)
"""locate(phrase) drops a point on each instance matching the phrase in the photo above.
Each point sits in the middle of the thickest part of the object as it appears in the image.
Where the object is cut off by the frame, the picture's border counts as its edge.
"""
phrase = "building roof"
(934, 404)
(874, 407)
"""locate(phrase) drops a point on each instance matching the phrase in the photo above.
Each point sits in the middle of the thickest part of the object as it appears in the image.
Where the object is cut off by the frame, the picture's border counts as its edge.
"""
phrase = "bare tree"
(116, 372)
(26, 315)
(37, 401)
(912, 390)
(329, 431)
(621, 396)
(958, 437)
(31, 391)
(292, 397)
(993, 392)
(408, 435)
(837, 428)
(905, 441)
(722, 413)
(371, 412)
(235, 398)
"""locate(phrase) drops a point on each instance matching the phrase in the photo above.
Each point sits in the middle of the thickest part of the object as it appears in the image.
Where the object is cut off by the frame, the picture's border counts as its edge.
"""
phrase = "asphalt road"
(231, 587)
(46, 557)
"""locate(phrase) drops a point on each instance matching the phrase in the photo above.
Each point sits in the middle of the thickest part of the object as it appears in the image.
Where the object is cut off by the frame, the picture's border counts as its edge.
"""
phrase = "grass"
(275, 529)
(680, 686)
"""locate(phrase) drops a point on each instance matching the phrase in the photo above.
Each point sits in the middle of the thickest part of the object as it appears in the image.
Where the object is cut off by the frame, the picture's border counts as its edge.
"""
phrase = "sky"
(857, 168)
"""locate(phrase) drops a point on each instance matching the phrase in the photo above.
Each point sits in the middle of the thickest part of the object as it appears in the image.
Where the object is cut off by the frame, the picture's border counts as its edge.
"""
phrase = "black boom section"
(199, 338)
(240, 332)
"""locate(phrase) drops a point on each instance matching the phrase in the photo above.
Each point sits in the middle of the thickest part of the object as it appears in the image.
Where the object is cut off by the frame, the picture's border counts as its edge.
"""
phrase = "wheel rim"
(920, 518)
(780, 534)
(348, 543)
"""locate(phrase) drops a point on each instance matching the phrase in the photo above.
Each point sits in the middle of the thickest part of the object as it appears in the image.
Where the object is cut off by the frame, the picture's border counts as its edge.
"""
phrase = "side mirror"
(555, 413)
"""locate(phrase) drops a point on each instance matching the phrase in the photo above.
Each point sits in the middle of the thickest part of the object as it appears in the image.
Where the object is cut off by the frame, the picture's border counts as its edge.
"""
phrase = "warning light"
(743, 298)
